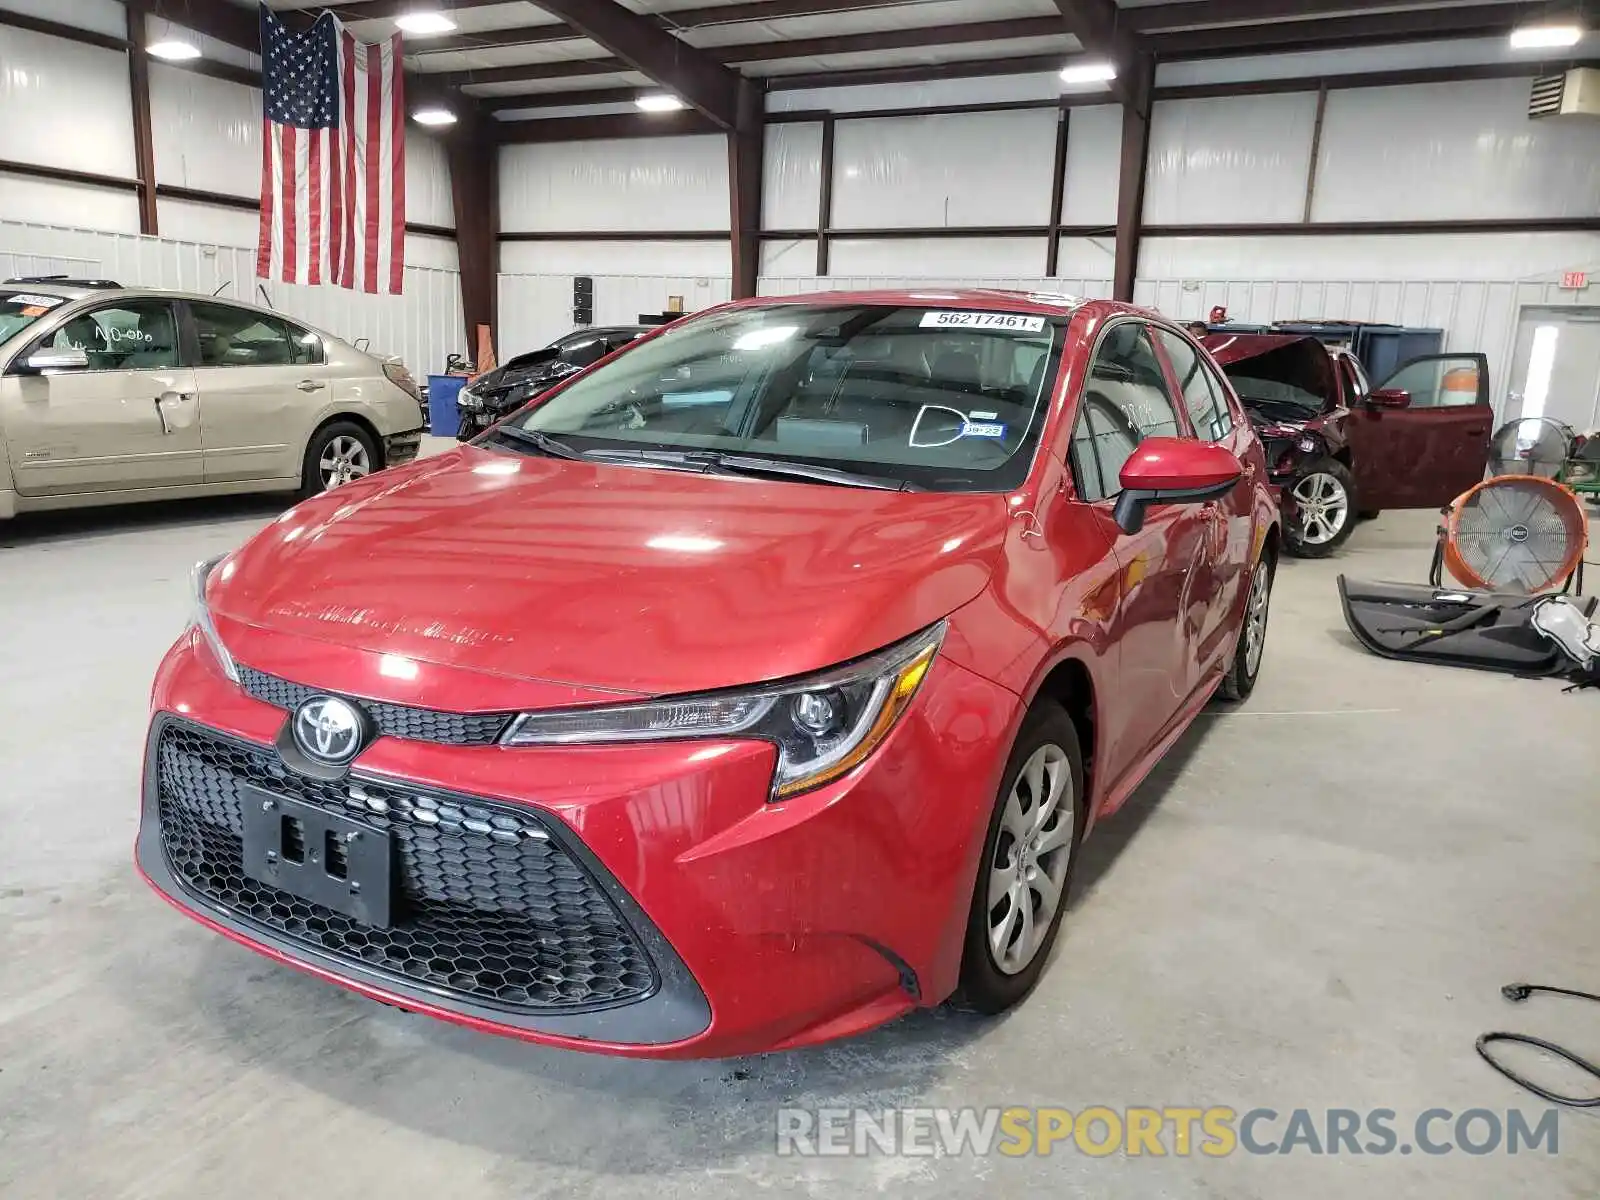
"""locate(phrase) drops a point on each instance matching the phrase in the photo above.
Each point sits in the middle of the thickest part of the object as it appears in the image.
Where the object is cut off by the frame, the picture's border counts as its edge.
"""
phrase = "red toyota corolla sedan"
(749, 689)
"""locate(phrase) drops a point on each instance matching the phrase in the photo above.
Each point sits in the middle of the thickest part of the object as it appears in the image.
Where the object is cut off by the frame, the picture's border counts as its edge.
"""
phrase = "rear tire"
(1012, 923)
(1322, 495)
(1245, 668)
(337, 453)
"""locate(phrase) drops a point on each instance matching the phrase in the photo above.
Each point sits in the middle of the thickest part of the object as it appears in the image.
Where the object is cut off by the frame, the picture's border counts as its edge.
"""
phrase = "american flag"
(333, 158)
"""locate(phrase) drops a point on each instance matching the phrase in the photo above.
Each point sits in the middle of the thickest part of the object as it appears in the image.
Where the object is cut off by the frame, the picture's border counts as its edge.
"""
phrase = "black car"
(495, 393)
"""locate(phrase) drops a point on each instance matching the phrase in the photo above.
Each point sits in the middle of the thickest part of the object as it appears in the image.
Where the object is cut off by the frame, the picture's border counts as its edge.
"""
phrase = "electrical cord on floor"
(1517, 993)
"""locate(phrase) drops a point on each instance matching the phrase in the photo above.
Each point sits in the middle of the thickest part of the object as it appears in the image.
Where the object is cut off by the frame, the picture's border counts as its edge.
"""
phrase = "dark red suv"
(1340, 448)
(746, 690)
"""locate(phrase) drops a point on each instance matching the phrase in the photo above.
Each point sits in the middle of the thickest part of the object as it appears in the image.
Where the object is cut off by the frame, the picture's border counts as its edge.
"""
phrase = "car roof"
(75, 291)
(1046, 304)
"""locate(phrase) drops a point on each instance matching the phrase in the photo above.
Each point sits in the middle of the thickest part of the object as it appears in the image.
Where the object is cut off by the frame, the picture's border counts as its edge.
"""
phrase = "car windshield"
(18, 310)
(1274, 393)
(936, 399)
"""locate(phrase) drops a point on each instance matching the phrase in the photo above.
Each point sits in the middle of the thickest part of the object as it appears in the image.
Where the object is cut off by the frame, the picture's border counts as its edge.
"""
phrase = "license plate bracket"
(319, 856)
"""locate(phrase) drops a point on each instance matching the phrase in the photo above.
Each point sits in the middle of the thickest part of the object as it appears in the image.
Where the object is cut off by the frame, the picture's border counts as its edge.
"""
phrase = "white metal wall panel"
(537, 309)
(439, 253)
(422, 326)
(1085, 287)
(1094, 159)
(990, 168)
(1453, 150)
(65, 104)
(1498, 256)
(714, 257)
(428, 199)
(24, 198)
(98, 16)
(912, 257)
(185, 221)
(1087, 258)
(791, 191)
(1232, 159)
(207, 132)
(633, 183)
(789, 258)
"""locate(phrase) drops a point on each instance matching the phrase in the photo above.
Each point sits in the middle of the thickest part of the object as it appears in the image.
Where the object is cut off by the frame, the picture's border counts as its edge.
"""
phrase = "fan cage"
(1515, 533)
(1537, 446)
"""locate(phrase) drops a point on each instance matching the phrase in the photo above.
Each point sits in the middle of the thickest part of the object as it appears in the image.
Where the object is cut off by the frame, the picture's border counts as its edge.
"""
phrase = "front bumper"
(769, 926)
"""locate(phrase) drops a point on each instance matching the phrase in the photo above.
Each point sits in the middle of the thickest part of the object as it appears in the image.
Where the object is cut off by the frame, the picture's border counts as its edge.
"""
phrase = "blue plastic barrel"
(444, 416)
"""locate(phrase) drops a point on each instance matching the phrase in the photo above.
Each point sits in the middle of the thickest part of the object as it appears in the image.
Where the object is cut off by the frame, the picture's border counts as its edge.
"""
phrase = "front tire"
(1323, 495)
(338, 452)
(1025, 872)
(1240, 680)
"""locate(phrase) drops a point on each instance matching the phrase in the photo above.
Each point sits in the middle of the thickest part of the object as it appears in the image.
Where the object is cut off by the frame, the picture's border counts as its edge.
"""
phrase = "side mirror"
(67, 359)
(1389, 398)
(1167, 470)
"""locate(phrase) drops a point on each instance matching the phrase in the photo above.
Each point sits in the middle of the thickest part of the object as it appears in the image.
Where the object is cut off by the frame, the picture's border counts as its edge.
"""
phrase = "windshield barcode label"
(1010, 322)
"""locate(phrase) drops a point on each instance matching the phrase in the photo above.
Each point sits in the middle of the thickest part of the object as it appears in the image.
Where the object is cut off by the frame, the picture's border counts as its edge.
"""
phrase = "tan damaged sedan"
(111, 394)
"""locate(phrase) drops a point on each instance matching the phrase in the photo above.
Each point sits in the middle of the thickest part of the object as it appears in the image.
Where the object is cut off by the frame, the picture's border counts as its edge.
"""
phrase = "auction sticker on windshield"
(1011, 322)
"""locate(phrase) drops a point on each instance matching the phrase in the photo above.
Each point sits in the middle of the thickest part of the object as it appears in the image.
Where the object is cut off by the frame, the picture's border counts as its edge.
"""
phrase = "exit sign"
(1575, 281)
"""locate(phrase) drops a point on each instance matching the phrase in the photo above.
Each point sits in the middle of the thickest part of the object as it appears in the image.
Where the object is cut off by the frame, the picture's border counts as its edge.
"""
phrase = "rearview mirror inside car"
(1389, 398)
(65, 359)
(1165, 470)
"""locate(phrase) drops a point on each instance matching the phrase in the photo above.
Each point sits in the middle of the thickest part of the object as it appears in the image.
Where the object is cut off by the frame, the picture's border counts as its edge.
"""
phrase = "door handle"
(309, 385)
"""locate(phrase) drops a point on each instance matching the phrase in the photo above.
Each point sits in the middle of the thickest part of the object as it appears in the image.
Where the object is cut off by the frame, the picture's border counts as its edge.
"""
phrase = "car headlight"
(823, 725)
(200, 618)
(469, 400)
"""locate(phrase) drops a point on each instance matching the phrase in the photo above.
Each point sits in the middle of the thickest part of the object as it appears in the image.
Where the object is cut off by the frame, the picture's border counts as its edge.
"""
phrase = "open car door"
(1421, 438)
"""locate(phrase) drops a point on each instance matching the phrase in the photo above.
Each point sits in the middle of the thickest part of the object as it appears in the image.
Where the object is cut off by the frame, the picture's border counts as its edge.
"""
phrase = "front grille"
(395, 720)
(488, 905)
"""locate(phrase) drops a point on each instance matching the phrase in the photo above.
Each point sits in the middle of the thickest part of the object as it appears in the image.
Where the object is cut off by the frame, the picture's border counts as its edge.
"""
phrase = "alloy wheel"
(1255, 618)
(343, 459)
(1032, 852)
(1324, 507)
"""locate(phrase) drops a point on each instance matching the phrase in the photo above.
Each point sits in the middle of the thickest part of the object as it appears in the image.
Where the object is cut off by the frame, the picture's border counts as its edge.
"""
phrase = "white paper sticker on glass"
(1004, 322)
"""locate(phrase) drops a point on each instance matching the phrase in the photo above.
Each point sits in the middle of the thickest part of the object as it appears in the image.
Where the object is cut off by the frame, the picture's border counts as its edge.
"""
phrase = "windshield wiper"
(746, 464)
(541, 442)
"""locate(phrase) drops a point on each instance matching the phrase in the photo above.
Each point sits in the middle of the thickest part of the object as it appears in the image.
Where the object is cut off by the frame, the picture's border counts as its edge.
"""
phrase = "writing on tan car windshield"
(949, 400)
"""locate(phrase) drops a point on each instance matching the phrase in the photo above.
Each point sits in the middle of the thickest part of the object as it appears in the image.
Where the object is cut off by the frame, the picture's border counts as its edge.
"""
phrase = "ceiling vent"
(1575, 93)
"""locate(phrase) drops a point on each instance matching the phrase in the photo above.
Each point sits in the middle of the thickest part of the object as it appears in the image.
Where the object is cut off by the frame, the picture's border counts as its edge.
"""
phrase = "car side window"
(1126, 399)
(1438, 382)
(305, 345)
(136, 335)
(1357, 378)
(240, 337)
(585, 353)
(1207, 412)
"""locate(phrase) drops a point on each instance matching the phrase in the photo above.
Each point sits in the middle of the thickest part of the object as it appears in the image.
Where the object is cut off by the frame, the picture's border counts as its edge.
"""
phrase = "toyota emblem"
(328, 729)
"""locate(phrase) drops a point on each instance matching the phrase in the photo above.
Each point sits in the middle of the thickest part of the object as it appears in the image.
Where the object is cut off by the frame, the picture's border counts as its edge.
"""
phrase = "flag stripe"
(265, 237)
(314, 182)
(374, 115)
(397, 167)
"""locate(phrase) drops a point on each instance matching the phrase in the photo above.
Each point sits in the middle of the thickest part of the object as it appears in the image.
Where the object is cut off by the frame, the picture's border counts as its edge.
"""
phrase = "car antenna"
(262, 288)
(225, 283)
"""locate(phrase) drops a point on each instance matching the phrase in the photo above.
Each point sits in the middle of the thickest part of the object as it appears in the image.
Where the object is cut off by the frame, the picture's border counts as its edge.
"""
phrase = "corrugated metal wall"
(423, 326)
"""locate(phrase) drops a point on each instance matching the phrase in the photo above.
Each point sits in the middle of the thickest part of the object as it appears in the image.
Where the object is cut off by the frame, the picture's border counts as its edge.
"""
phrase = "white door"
(1555, 368)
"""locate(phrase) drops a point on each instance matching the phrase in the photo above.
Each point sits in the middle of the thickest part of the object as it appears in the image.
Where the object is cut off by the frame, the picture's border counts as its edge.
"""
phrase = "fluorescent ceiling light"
(173, 50)
(434, 116)
(1546, 37)
(424, 23)
(1089, 72)
(660, 102)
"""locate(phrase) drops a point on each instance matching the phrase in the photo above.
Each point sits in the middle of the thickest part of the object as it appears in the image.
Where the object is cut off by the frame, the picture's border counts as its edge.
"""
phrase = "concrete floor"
(1313, 904)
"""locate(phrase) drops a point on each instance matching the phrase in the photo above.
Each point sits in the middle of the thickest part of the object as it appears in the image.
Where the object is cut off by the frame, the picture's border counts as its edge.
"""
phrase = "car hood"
(604, 579)
(1298, 362)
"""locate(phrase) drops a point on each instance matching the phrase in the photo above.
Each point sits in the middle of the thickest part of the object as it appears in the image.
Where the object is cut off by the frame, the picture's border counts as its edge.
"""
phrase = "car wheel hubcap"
(344, 459)
(1028, 872)
(1324, 507)
(1255, 619)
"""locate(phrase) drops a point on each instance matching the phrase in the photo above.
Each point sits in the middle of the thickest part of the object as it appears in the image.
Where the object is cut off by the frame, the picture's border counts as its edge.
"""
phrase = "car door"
(1224, 569)
(262, 381)
(1426, 452)
(126, 420)
(1126, 398)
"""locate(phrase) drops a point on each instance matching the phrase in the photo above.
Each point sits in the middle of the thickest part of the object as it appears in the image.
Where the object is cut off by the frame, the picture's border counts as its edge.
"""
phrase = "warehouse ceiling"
(521, 59)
